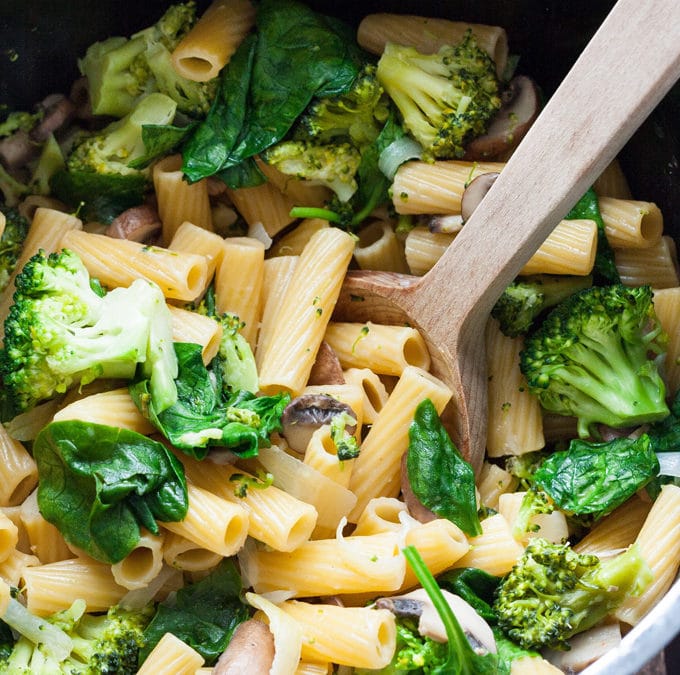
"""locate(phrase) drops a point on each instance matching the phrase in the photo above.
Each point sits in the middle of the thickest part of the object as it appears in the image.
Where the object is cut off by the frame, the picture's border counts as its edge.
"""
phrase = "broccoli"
(74, 643)
(590, 358)
(524, 299)
(234, 364)
(11, 243)
(445, 99)
(534, 503)
(552, 592)
(60, 332)
(524, 467)
(334, 165)
(20, 121)
(346, 444)
(121, 71)
(355, 117)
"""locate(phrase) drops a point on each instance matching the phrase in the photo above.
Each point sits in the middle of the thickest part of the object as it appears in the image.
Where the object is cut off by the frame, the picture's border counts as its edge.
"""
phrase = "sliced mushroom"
(307, 413)
(509, 125)
(251, 650)
(475, 192)
(58, 111)
(417, 604)
(139, 223)
(415, 507)
(17, 150)
(585, 648)
(326, 368)
(442, 224)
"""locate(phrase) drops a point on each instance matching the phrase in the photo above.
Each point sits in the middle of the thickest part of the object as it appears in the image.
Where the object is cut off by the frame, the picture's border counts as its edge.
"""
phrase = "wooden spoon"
(625, 70)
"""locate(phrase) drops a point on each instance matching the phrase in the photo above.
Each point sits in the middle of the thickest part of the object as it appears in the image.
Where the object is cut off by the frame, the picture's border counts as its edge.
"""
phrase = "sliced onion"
(669, 463)
(398, 152)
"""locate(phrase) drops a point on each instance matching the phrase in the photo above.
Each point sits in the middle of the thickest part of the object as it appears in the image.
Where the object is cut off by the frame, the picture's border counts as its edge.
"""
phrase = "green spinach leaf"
(475, 586)
(440, 478)
(160, 140)
(665, 435)
(203, 615)
(100, 484)
(595, 478)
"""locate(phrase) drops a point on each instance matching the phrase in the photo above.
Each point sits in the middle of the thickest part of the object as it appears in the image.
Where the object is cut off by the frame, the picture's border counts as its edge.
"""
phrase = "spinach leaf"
(595, 478)
(160, 140)
(475, 586)
(440, 478)
(6, 641)
(242, 175)
(604, 271)
(99, 197)
(665, 434)
(202, 417)
(100, 484)
(203, 615)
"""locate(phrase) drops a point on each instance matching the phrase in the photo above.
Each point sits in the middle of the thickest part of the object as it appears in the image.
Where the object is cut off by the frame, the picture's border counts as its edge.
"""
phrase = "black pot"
(42, 39)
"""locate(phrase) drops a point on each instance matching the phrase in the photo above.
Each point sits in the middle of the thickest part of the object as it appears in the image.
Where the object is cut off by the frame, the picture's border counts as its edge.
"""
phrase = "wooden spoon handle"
(631, 62)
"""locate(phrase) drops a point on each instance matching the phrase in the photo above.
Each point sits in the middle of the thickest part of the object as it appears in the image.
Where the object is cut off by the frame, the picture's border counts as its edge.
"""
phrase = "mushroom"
(18, 149)
(326, 368)
(58, 111)
(250, 650)
(442, 224)
(138, 223)
(415, 507)
(417, 604)
(475, 192)
(585, 648)
(509, 125)
(307, 413)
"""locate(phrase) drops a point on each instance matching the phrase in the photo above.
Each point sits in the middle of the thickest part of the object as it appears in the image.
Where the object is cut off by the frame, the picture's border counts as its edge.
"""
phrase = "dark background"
(40, 41)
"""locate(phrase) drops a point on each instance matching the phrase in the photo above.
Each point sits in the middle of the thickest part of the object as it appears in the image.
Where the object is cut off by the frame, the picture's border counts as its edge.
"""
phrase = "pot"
(42, 40)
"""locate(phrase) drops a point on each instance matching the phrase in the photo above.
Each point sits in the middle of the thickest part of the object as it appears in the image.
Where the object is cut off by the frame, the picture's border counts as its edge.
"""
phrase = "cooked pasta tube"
(294, 242)
(350, 394)
(142, 564)
(379, 248)
(386, 350)
(437, 187)
(178, 200)
(533, 665)
(46, 231)
(375, 394)
(631, 224)
(495, 550)
(171, 656)
(49, 588)
(551, 526)
(185, 555)
(14, 514)
(194, 327)
(13, 567)
(305, 311)
(352, 636)
(427, 35)
(113, 408)
(311, 668)
(9, 536)
(5, 593)
(118, 262)
(423, 248)
(210, 43)
(377, 470)
(655, 266)
(382, 514)
(612, 182)
(45, 539)
(667, 308)
(514, 422)
(322, 455)
(18, 470)
(492, 483)
(238, 283)
(193, 239)
(264, 204)
(361, 564)
(276, 518)
(659, 542)
(302, 192)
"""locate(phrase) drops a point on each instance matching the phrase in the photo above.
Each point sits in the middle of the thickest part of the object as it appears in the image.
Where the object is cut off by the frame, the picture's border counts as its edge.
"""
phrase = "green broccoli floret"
(552, 592)
(524, 467)
(355, 117)
(234, 364)
(74, 643)
(346, 444)
(121, 71)
(20, 121)
(524, 299)
(590, 359)
(534, 503)
(445, 99)
(59, 332)
(333, 165)
(11, 243)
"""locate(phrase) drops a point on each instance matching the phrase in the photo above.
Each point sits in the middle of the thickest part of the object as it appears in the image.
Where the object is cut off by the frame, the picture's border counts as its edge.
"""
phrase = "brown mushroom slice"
(250, 650)
(474, 193)
(18, 149)
(415, 507)
(443, 224)
(139, 223)
(510, 123)
(309, 412)
(58, 111)
(417, 604)
(585, 648)
(326, 368)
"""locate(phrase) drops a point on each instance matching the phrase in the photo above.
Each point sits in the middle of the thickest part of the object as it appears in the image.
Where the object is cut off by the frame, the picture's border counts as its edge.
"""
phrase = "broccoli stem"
(315, 212)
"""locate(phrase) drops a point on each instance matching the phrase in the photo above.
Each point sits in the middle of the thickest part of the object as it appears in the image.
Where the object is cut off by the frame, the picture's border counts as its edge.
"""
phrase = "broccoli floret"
(524, 467)
(333, 165)
(445, 99)
(20, 121)
(356, 116)
(11, 243)
(59, 332)
(552, 592)
(534, 503)
(234, 364)
(346, 444)
(121, 71)
(74, 643)
(590, 359)
(524, 299)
